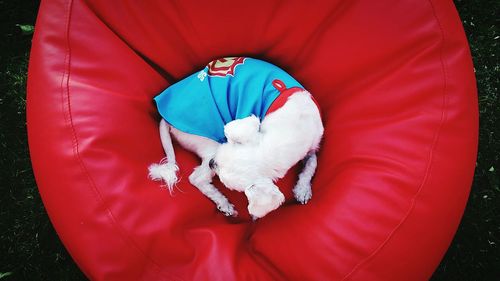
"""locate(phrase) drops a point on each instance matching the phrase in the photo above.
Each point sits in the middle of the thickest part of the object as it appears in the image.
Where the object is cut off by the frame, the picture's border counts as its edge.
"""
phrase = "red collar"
(283, 97)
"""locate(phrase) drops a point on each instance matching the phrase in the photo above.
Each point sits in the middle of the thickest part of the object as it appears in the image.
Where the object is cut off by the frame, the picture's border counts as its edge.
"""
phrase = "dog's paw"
(228, 209)
(302, 192)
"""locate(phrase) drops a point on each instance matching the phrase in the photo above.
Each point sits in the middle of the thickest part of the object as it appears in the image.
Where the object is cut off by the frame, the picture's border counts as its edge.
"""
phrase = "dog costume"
(226, 89)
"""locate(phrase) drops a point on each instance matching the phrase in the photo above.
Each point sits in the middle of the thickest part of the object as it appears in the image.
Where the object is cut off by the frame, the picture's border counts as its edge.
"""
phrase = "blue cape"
(225, 90)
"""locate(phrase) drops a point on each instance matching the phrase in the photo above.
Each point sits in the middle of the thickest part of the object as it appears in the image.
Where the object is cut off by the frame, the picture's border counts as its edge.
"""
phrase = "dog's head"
(237, 162)
(243, 164)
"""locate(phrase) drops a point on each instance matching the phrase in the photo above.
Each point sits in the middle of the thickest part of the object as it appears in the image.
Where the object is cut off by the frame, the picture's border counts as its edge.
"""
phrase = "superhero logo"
(225, 66)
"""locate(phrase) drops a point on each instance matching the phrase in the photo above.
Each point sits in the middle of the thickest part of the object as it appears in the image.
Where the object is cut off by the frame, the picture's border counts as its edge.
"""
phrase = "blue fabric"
(205, 101)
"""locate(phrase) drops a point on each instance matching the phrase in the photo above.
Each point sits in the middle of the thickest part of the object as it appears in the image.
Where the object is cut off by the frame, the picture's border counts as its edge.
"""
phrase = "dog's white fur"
(254, 157)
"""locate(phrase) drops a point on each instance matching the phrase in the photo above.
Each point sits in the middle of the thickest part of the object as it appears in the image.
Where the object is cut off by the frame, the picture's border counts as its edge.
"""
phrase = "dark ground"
(31, 250)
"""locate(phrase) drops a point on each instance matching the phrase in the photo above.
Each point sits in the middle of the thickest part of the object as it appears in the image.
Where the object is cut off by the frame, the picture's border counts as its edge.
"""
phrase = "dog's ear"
(242, 131)
(263, 197)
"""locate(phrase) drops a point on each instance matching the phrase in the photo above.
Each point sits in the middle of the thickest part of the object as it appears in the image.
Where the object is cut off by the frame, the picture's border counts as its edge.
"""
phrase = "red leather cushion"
(396, 88)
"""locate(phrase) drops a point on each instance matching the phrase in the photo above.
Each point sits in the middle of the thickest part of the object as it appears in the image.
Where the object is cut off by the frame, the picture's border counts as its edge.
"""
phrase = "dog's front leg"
(202, 179)
(302, 189)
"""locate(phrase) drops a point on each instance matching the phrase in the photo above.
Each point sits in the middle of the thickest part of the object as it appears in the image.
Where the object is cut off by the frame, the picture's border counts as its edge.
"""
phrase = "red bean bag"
(395, 83)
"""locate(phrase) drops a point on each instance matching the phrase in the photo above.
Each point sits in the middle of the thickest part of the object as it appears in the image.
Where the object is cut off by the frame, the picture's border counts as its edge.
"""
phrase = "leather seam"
(413, 201)
(65, 86)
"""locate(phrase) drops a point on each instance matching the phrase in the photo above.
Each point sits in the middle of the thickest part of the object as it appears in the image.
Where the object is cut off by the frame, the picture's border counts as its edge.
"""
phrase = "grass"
(31, 250)
(29, 247)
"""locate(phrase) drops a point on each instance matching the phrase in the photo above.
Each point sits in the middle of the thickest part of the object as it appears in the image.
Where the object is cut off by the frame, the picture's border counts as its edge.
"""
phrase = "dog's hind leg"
(302, 190)
(202, 179)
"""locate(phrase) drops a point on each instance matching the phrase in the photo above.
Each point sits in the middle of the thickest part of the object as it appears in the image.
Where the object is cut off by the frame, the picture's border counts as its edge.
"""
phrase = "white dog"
(253, 153)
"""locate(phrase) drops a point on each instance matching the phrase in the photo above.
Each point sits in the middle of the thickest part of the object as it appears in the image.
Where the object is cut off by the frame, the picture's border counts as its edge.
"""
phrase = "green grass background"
(31, 250)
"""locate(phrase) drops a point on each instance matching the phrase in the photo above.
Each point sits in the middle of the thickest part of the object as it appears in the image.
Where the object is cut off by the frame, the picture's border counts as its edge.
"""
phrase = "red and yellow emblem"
(224, 66)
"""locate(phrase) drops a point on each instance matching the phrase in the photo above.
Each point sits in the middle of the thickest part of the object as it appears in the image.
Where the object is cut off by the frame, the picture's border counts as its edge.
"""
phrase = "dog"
(247, 144)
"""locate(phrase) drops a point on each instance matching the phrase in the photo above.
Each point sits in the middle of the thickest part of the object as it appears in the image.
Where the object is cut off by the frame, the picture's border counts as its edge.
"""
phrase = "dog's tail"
(167, 169)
